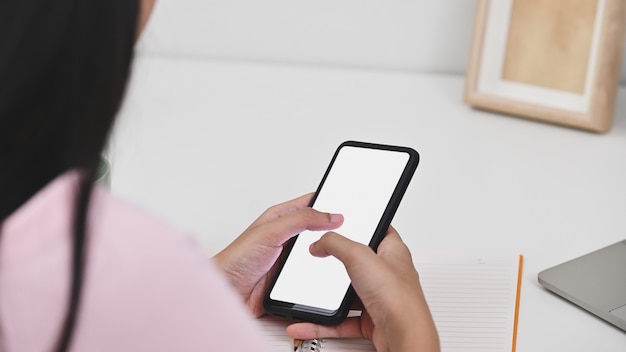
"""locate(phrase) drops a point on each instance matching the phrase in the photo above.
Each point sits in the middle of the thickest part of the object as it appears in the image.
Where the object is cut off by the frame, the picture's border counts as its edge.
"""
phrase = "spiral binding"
(314, 345)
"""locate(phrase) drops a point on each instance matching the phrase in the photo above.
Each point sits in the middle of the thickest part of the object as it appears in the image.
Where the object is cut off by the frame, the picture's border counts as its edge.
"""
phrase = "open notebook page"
(473, 299)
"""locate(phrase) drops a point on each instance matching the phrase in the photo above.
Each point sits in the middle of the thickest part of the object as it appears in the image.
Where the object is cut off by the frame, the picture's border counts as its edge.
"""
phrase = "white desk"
(209, 145)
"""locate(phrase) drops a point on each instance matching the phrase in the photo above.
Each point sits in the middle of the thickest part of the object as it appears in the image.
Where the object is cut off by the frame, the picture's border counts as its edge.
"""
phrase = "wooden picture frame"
(555, 61)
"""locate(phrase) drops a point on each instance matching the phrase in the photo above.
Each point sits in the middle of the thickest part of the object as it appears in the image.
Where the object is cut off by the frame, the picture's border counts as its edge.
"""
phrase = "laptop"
(596, 282)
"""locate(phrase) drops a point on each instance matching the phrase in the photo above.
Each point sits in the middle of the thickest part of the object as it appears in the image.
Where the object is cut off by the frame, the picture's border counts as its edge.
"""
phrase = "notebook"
(595, 281)
(474, 300)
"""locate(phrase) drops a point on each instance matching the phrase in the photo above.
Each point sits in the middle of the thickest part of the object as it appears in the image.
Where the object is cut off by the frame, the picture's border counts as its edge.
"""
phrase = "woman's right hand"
(395, 313)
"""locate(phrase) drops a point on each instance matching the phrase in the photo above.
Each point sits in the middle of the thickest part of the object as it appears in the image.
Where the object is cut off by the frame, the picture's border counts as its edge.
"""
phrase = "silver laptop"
(596, 282)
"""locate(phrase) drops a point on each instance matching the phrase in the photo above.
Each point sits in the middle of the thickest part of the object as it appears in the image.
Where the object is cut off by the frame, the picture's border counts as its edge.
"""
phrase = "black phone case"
(319, 316)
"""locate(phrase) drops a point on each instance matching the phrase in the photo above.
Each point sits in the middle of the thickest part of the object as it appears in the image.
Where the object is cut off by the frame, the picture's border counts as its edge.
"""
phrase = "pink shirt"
(148, 287)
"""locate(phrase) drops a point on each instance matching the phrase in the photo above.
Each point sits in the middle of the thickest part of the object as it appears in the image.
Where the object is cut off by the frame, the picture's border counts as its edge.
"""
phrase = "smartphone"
(365, 183)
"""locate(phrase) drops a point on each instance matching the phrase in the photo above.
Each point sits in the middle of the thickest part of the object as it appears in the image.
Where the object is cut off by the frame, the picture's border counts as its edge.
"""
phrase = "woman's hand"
(249, 262)
(395, 316)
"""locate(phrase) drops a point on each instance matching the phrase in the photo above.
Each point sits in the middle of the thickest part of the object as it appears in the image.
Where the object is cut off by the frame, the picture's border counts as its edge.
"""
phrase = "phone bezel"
(323, 316)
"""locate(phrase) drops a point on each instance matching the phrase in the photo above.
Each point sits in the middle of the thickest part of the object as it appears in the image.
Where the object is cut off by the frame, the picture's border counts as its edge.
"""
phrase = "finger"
(285, 208)
(393, 245)
(349, 328)
(393, 234)
(283, 228)
(342, 248)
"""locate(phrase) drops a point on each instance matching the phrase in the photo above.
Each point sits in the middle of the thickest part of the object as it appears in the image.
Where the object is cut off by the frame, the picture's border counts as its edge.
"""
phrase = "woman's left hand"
(249, 262)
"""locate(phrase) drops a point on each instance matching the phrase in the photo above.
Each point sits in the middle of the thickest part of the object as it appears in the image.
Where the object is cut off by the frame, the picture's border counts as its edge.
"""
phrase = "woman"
(82, 270)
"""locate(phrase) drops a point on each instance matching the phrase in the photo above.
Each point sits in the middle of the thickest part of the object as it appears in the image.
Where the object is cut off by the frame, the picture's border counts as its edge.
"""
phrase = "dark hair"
(64, 65)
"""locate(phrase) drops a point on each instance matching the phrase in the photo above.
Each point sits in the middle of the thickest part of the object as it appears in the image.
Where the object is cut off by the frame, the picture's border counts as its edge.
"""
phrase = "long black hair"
(64, 65)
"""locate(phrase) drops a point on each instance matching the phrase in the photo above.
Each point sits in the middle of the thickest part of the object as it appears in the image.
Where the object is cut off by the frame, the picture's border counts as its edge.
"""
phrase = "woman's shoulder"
(159, 276)
(145, 280)
(48, 218)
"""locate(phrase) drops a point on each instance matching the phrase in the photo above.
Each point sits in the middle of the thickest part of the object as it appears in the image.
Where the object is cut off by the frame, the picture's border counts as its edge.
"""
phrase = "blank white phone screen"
(359, 186)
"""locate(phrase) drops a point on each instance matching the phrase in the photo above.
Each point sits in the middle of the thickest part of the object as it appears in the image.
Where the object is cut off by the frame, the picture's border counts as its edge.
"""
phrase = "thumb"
(340, 247)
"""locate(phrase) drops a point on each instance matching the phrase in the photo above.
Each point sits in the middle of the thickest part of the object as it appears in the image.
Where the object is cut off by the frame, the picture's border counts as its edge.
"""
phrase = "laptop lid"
(595, 281)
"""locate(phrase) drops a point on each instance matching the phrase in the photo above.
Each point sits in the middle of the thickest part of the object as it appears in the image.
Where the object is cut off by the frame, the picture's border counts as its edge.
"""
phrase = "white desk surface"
(210, 145)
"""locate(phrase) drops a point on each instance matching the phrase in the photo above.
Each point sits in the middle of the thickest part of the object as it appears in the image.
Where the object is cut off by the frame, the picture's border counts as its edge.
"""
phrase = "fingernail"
(336, 218)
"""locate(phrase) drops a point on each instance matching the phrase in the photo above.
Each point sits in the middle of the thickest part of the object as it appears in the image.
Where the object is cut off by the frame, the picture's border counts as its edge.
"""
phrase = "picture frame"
(554, 61)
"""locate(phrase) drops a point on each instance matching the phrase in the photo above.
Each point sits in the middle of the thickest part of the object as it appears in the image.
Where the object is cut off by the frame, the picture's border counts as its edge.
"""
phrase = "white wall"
(392, 34)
